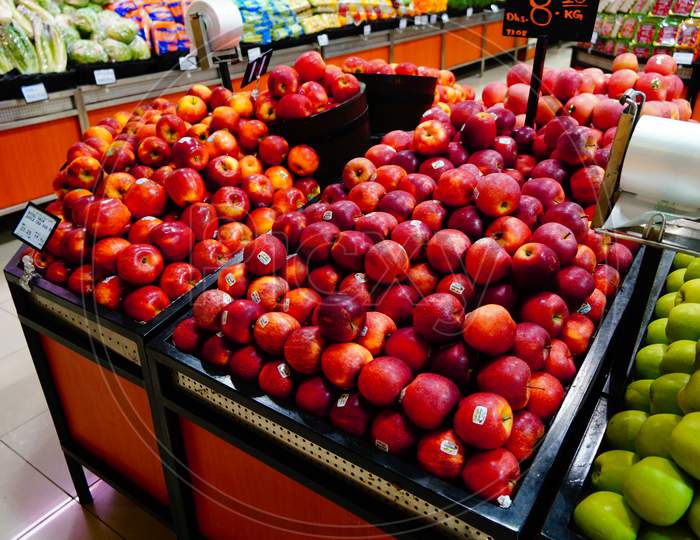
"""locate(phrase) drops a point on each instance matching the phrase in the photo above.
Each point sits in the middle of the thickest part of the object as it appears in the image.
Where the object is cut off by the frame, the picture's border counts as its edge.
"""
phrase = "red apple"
(491, 474)
(397, 302)
(314, 396)
(497, 194)
(484, 420)
(559, 239)
(275, 379)
(386, 262)
(547, 310)
(527, 431)
(341, 363)
(381, 380)
(376, 225)
(489, 329)
(560, 362)
(441, 453)
(237, 318)
(350, 414)
(535, 266)
(438, 317)
(246, 363)
(179, 278)
(209, 255)
(408, 346)
(430, 138)
(145, 303)
(392, 432)
(487, 261)
(546, 395)
(265, 255)
(106, 217)
(428, 399)
(341, 317)
(507, 376)
(139, 264)
(532, 344)
(316, 241)
(413, 236)
(310, 66)
(187, 335)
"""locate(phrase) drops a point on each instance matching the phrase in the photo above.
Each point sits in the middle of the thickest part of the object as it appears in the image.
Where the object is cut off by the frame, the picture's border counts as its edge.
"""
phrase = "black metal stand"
(536, 81)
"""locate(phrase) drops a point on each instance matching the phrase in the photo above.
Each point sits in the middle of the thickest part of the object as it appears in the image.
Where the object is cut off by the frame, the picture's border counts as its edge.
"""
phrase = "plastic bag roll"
(662, 164)
(660, 174)
(223, 22)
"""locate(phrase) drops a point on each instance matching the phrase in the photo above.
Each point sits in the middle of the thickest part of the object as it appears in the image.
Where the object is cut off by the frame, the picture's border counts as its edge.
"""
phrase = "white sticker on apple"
(479, 415)
(263, 321)
(456, 288)
(230, 280)
(224, 317)
(449, 447)
(327, 215)
(384, 447)
(360, 277)
(255, 297)
(437, 164)
(342, 400)
(264, 258)
(283, 370)
(363, 333)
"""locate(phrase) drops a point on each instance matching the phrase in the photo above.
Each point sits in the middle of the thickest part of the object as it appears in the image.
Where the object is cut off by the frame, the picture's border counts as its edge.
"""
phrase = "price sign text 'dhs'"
(572, 20)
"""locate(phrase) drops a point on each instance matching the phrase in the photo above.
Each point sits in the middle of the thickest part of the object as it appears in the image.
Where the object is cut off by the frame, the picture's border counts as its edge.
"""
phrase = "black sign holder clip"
(536, 80)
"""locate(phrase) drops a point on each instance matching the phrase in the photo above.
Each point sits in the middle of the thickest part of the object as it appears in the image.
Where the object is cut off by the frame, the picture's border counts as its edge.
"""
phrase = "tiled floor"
(37, 498)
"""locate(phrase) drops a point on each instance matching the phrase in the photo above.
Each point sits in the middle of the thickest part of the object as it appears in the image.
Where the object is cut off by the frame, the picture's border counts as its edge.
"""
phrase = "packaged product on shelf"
(688, 35)
(661, 8)
(641, 7)
(164, 37)
(646, 32)
(642, 52)
(86, 51)
(666, 35)
(613, 7)
(682, 7)
(621, 46)
(628, 27)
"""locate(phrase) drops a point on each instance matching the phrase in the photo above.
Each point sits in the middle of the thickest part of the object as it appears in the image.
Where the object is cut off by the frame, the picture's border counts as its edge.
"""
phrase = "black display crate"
(558, 523)
(11, 83)
(182, 378)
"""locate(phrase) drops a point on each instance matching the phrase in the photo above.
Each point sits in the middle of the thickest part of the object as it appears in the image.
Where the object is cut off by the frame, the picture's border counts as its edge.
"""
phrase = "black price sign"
(36, 226)
(256, 68)
(572, 20)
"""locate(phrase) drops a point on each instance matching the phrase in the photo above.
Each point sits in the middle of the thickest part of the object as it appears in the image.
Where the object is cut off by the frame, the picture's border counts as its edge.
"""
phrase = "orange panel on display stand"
(234, 491)
(369, 54)
(423, 52)
(462, 46)
(495, 42)
(107, 415)
(30, 157)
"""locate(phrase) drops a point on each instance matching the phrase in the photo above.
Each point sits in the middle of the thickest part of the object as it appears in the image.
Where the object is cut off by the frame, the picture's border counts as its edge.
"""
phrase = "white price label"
(367, 30)
(433, 19)
(263, 321)
(283, 370)
(479, 415)
(230, 280)
(494, 8)
(35, 227)
(254, 54)
(594, 38)
(342, 400)
(449, 447)
(417, 20)
(264, 258)
(403, 23)
(35, 92)
(104, 76)
(683, 57)
(322, 40)
(445, 18)
(187, 63)
(470, 11)
(425, 19)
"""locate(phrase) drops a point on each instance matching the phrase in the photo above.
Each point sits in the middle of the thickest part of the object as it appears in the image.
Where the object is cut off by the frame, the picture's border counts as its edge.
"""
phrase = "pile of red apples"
(153, 200)
(437, 301)
(447, 89)
(309, 87)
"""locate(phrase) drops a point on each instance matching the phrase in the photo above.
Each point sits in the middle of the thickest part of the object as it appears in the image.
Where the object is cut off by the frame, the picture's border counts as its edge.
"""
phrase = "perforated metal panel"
(15, 110)
(112, 340)
(428, 513)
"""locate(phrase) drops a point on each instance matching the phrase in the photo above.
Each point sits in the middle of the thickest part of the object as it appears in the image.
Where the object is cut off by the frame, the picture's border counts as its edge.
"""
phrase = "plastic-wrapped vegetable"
(116, 50)
(66, 30)
(6, 9)
(85, 51)
(139, 49)
(23, 21)
(16, 43)
(123, 30)
(85, 20)
(50, 6)
(36, 10)
(67, 10)
(57, 45)
(41, 45)
(6, 63)
(76, 3)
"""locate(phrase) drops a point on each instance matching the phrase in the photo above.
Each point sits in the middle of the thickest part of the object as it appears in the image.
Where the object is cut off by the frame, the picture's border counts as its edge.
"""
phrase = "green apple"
(693, 515)
(685, 444)
(692, 270)
(689, 396)
(609, 469)
(637, 395)
(663, 393)
(684, 322)
(647, 363)
(605, 515)
(656, 332)
(689, 292)
(675, 279)
(622, 429)
(682, 260)
(664, 304)
(674, 532)
(679, 357)
(654, 437)
(657, 490)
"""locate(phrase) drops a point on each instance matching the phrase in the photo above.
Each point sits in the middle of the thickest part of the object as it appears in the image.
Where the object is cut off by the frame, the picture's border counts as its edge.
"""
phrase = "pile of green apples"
(647, 482)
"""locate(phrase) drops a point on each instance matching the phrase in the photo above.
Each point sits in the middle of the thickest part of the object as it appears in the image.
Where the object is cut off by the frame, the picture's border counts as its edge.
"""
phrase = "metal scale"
(663, 227)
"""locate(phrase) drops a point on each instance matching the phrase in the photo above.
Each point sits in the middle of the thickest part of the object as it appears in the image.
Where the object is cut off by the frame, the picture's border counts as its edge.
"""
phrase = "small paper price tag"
(187, 63)
(425, 19)
(35, 92)
(683, 57)
(594, 38)
(322, 40)
(367, 30)
(254, 54)
(403, 23)
(104, 76)
(35, 227)
(494, 8)
(470, 11)
(433, 19)
(445, 18)
(417, 20)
